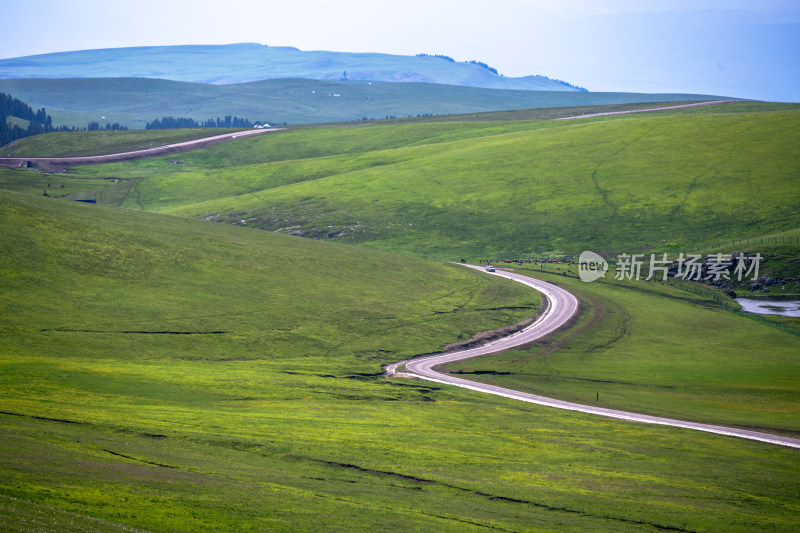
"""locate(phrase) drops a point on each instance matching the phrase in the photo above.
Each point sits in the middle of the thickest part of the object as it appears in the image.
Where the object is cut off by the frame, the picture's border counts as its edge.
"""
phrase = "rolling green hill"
(112, 271)
(489, 189)
(237, 63)
(135, 101)
(77, 143)
(169, 374)
(172, 374)
(611, 184)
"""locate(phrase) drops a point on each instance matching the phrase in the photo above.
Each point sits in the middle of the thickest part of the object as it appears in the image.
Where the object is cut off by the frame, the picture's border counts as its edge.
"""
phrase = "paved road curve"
(562, 306)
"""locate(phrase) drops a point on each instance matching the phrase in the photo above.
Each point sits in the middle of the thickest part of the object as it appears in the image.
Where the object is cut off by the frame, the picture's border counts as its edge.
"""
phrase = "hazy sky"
(732, 47)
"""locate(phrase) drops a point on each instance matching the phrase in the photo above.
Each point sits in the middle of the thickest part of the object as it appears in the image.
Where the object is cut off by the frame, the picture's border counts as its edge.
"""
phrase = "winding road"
(53, 163)
(60, 163)
(628, 112)
(562, 307)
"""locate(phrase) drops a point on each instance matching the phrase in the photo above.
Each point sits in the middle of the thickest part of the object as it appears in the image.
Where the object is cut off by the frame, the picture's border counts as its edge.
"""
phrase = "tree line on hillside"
(440, 56)
(451, 60)
(38, 121)
(562, 82)
(484, 65)
(183, 122)
(95, 126)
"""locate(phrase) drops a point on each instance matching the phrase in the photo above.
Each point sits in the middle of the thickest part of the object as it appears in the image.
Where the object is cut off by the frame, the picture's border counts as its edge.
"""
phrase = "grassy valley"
(83, 267)
(229, 379)
(164, 372)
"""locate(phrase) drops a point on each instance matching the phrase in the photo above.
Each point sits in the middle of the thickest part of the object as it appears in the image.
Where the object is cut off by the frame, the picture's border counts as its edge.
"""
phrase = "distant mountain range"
(237, 63)
(134, 86)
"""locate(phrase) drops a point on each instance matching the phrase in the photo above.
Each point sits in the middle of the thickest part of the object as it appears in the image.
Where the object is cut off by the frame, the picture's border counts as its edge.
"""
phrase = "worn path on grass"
(681, 106)
(561, 307)
(55, 163)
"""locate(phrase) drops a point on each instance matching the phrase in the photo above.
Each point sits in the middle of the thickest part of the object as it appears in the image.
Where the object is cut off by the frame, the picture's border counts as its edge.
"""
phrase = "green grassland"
(168, 374)
(631, 182)
(340, 140)
(294, 143)
(489, 189)
(76, 143)
(109, 253)
(133, 102)
(171, 374)
(62, 186)
(113, 184)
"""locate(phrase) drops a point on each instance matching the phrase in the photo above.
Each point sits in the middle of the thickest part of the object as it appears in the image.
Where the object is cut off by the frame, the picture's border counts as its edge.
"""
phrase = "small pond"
(763, 306)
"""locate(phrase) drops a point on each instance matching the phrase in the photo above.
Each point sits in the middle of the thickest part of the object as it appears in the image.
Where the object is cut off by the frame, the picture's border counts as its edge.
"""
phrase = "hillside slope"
(170, 375)
(485, 189)
(85, 270)
(236, 63)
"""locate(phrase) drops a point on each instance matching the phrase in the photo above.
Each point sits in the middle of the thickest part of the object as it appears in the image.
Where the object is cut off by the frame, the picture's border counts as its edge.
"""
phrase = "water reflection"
(770, 307)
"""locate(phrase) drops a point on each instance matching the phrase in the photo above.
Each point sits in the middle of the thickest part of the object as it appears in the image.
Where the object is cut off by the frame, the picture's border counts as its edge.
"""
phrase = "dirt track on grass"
(681, 106)
(61, 163)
